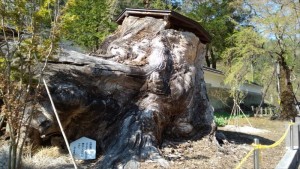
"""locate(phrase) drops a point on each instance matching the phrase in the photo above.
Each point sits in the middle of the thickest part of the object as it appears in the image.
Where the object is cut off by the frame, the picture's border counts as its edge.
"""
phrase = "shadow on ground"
(243, 138)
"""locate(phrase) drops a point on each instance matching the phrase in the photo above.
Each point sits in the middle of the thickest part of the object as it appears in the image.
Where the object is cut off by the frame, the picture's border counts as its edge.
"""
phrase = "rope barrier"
(260, 146)
(277, 143)
(244, 159)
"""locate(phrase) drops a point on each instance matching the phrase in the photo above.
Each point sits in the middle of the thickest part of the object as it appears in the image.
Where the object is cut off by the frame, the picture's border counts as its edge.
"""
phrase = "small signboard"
(84, 149)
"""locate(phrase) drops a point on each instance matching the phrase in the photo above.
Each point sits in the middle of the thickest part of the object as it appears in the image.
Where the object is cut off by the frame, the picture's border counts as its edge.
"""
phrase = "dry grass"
(48, 158)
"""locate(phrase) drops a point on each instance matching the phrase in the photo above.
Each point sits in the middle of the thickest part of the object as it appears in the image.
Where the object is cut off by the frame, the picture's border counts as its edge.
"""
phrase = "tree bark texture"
(144, 85)
(287, 97)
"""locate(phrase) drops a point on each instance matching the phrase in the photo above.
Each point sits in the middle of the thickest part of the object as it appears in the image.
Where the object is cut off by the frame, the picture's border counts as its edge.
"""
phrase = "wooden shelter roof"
(177, 21)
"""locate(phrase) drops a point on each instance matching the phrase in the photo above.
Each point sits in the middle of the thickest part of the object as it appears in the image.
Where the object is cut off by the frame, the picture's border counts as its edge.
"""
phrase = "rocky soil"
(205, 154)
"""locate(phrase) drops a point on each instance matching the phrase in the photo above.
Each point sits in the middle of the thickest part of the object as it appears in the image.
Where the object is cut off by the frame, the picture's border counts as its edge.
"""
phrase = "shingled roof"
(177, 21)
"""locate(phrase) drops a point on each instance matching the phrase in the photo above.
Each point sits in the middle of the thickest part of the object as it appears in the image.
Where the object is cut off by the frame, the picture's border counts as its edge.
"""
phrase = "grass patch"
(221, 118)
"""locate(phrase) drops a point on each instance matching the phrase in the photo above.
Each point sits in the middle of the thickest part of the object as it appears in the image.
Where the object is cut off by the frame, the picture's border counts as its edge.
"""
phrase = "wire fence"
(264, 112)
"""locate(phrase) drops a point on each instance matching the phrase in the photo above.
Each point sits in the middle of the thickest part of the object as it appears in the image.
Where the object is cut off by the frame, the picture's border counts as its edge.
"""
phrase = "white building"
(219, 95)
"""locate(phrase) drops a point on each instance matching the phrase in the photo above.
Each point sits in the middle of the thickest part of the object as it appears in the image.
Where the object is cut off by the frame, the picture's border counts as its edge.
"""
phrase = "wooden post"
(256, 112)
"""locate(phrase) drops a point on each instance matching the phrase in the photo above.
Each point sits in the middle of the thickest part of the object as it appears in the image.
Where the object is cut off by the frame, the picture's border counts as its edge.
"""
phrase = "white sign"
(84, 149)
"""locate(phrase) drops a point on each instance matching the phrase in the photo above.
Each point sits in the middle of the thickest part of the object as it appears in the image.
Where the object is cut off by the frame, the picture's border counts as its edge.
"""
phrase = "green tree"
(29, 32)
(278, 22)
(160, 4)
(281, 23)
(246, 48)
(117, 6)
(87, 23)
(220, 19)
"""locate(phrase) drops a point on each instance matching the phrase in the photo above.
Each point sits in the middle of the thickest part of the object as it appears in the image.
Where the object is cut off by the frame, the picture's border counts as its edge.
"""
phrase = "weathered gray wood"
(151, 87)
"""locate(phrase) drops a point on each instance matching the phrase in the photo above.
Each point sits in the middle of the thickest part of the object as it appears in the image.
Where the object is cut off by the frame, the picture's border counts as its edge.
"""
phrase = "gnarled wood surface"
(145, 84)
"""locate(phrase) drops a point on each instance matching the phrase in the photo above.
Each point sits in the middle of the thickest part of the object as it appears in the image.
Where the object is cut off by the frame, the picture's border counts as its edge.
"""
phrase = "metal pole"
(298, 141)
(297, 132)
(291, 138)
(256, 155)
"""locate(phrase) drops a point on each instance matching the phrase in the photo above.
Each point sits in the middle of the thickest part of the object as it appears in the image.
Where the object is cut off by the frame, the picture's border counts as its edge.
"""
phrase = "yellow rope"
(244, 159)
(277, 143)
(259, 146)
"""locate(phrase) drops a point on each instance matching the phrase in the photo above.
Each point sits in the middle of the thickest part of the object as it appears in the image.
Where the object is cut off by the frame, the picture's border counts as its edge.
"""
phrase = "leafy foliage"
(247, 47)
(161, 4)
(117, 6)
(221, 119)
(220, 18)
(87, 23)
(277, 40)
(29, 32)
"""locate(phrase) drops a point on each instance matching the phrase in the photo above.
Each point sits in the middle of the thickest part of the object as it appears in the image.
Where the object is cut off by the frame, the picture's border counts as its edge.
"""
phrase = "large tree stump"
(145, 85)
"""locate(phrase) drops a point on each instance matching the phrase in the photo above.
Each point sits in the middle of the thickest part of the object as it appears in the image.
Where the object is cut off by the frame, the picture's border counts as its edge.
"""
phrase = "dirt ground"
(206, 155)
(200, 154)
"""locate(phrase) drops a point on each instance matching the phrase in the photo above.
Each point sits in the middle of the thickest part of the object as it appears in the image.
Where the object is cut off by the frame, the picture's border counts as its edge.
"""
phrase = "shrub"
(221, 121)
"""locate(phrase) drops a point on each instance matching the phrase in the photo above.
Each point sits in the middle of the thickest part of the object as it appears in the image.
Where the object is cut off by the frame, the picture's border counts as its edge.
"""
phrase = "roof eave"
(204, 35)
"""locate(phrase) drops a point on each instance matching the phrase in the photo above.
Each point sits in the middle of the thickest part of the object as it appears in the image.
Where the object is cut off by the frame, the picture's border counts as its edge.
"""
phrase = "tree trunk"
(287, 98)
(147, 87)
(213, 58)
(207, 55)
